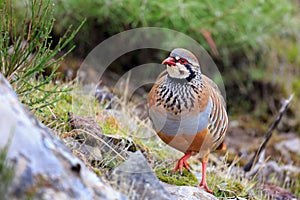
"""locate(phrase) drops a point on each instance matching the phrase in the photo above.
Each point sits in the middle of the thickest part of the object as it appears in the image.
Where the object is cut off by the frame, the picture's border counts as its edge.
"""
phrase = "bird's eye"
(183, 61)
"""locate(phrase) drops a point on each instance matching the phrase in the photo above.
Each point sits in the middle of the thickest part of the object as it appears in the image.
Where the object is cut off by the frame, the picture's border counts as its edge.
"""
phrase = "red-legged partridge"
(188, 111)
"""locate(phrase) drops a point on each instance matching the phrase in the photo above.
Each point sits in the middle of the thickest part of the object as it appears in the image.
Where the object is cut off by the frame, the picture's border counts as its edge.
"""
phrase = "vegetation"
(29, 57)
(256, 49)
(236, 26)
(256, 42)
(168, 176)
(6, 172)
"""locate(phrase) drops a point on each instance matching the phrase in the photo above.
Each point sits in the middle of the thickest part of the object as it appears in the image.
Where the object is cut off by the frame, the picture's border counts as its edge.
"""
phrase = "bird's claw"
(182, 163)
(205, 187)
(203, 183)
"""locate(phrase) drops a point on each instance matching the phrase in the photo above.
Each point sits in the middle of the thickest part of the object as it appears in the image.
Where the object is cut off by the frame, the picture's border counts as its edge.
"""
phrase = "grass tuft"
(174, 178)
(29, 57)
(6, 172)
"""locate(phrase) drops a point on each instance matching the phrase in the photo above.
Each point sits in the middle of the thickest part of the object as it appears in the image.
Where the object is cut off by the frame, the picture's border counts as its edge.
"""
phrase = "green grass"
(226, 185)
(6, 172)
(263, 33)
(257, 41)
(29, 56)
(222, 182)
(174, 178)
(236, 26)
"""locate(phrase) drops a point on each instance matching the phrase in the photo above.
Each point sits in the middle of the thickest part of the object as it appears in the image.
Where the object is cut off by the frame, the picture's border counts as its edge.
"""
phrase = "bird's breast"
(189, 123)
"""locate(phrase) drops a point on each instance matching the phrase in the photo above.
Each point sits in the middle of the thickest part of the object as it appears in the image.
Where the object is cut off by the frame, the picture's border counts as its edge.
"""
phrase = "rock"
(43, 167)
(136, 179)
(277, 193)
(95, 149)
(288, 147)
(270, 169)
(188, 192)
(95, 137)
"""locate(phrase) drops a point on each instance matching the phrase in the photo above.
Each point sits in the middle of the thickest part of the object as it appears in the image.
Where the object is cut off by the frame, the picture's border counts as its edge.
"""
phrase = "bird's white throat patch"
(178, 71)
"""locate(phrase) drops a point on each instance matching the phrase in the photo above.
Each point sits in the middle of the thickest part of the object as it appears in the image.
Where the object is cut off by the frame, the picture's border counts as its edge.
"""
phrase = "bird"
(188, 111)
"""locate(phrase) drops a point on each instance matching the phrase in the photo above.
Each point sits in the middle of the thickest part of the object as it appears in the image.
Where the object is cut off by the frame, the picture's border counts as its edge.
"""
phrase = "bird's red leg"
(182, 163)
(203, 183)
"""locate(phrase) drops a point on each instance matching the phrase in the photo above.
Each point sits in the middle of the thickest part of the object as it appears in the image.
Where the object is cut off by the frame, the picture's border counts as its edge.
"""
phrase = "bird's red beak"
(169, 61)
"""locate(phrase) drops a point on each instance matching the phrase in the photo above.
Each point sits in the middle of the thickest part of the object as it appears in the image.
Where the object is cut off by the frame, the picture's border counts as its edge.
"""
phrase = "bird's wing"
(218, 115)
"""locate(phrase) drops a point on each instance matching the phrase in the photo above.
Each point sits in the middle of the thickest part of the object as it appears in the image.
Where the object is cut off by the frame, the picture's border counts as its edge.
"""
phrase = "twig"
(269, 133)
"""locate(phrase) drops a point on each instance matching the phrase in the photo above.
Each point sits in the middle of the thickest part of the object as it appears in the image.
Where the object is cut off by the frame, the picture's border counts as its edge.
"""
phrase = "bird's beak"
(169, 61)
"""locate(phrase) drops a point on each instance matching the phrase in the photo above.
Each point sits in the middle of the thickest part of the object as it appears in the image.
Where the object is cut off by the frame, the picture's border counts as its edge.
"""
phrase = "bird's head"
(182, 64)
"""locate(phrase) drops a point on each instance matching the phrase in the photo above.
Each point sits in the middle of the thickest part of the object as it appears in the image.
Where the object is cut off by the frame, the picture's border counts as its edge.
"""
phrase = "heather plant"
(29, 57)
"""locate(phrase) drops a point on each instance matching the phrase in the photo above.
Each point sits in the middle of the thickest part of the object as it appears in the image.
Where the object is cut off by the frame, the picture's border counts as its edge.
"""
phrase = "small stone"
(291, 145)
(136, 179)
(188, 192)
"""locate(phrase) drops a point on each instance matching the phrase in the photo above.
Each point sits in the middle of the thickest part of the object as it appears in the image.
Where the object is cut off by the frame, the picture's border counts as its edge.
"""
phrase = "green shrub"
(256, 39)
(29, 58)
(236, 26)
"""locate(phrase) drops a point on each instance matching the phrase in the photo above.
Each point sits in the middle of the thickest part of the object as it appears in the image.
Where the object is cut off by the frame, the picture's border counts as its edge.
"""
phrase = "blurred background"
(255, 44)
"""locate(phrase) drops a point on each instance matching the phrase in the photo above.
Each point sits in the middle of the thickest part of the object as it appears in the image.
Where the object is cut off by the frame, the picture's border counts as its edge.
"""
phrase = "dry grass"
(122, 125)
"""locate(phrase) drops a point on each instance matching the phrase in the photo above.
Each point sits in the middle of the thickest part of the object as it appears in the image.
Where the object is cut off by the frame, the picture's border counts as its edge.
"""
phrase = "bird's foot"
(183, 163)
(204, 186)
(203, 183)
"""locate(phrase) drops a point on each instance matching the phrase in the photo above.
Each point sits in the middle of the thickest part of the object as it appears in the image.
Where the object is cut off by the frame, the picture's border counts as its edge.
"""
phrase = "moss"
(174, 178)
(228, 186)
(110, 126)
(231, 189)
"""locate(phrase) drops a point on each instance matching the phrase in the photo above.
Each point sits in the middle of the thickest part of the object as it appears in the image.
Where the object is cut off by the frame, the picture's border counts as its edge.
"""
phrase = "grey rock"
(136, 179)
(277, 193)
(188, 192)
(44, 167)
(289, 147)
